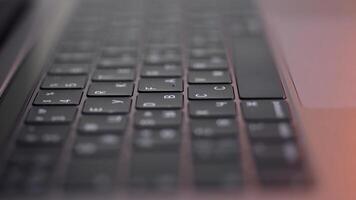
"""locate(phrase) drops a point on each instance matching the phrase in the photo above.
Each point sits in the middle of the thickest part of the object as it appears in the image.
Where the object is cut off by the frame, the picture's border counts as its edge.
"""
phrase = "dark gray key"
(157, 139)
(69, 69)
(40, 136)
(199, 53)
(64, 82)
(107, 145)
(274, 132)
(211, 128)
(157, 56)
(214, 63)
(216, 76)
(58, 97)
(222, 175)
(124, 62)
(158, 118)
(154, 170)
(121, 74)
(94, 176)
(159, 101)
(215, 150)
(104, 105)
(73, 58)
(276, 155)
(111, 89)
(51, 115)
(218, 91)
(93, 124)
(212, 108)
(257, 77)
(260, 110)
(167, 70)
(160, 85)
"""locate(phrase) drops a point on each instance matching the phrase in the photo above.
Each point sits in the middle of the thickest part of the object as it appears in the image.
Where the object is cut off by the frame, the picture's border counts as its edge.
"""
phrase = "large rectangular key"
(257, 77)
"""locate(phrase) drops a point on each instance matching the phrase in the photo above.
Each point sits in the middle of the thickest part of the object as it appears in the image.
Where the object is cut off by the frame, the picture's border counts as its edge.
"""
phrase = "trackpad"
(320, 51)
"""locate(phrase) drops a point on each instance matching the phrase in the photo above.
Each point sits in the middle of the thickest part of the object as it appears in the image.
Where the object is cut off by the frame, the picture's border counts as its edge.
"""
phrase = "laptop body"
(306, 159)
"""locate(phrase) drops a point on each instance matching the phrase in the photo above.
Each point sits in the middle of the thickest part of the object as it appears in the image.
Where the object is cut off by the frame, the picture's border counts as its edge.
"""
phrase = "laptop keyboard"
(157, 94)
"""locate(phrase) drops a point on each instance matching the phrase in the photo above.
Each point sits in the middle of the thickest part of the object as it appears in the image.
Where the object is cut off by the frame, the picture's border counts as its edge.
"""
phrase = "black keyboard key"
(214, 63)
(154, 170)
(105, 105)
(274, 132)
(265, 110)
(94, 174)
(222, 175)
(199, 53)
(158, 118)
(74, 58)
(276, 155)
(157, 139)
(120, 74)
(64, 82)
(93, 124)
(160, 85)
(211, 128)
(157, 56)
(257, 77)
(216, 76)
(40, 136)
(212, 108)
(167, 70)
(159, 101)
(58, 97)
(107, 145)
(51, 115)
(111, 89)
(69, 69)
(124, 62)
(218, 91)
(215, 150)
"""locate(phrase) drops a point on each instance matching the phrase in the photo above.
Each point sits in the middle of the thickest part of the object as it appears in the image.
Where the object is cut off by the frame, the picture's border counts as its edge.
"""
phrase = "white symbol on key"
(218, 73)
(120, 85)
(42, 111)
(149, 104)
(65, 100)
(114, 101)
(49, 93)
(219, 88)
(169, 114)
(170, 81)
(171, 96)
(222, 122)
(99, 92)
(252, 104)
(201, 95)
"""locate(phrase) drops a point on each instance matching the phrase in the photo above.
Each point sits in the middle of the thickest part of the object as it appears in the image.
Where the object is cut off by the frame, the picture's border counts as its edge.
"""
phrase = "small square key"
(216, 91)
(121, 74)
(265, 110)
(111, 89)
(58, 97)
(64, 82)
(212, 108)
(105, 105)
(159, 101)
(160, 85)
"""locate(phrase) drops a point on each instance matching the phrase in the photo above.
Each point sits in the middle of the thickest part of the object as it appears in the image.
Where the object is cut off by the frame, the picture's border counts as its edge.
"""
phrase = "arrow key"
(107, 105)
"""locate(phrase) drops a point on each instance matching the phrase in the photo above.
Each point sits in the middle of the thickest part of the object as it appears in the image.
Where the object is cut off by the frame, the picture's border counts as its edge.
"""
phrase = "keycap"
(198, 53)
(257, 77)
(162, 56)
(160, 85)
(211, 128)
(111, 89)
(218, 91)
(222, 175)
(118, 52)
(212, 108)
(154, 170)
(274, 132)
(40, 136)
(89, 174)
(58, 97)
(158, 118)
(124, 62)
(105, 105)
(159, 101)
(94, 124)
(73, 58)
(166, 70)
(51, 115)
(120, 74)
(67, 69)
(107, 145)
(64, 82)
(270, 110)
(214, 63)
(276, 155)
(156, 139)
(215, 150)
(216, 76)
